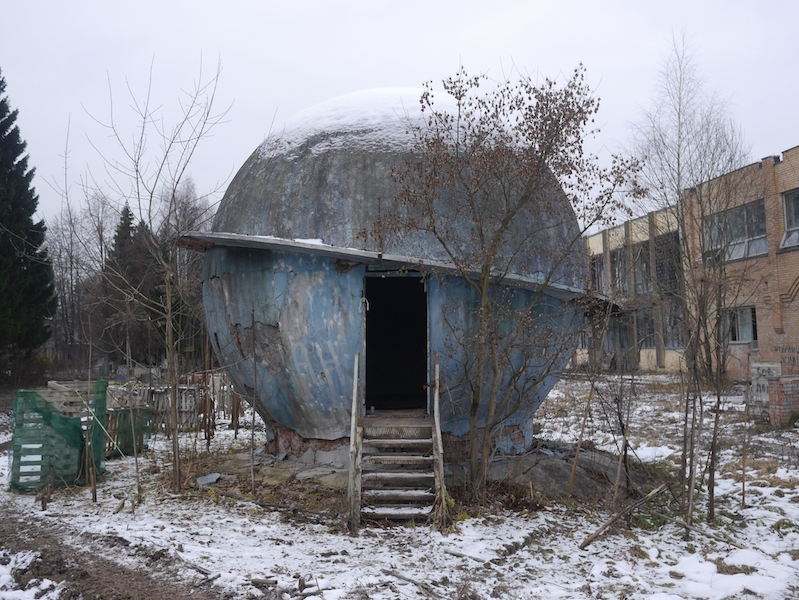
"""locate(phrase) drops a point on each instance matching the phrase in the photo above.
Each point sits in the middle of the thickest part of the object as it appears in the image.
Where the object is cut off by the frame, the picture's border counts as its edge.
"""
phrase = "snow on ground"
(43, 589)
(5, 427)
(507, 555)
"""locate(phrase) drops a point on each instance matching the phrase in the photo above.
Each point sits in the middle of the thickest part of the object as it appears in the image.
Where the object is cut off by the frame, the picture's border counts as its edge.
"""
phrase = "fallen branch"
(314, 591)
(198, 568)
(621, 513)
(718, 538)
(121, 504)
(423, 587)
(275, 506)
(462, 555)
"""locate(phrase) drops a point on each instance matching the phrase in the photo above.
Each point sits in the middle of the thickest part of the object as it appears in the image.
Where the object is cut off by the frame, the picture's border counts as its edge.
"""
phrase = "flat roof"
(200, 241)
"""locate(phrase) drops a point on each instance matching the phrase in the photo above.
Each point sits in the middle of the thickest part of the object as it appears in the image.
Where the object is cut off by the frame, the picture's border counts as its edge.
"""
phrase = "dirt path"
(85, 572)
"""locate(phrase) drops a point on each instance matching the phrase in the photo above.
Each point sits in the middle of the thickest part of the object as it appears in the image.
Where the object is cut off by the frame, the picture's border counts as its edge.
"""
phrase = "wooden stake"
(354, 486)
(745, 444)
(442, 513)
(580, 440)
(254, 399)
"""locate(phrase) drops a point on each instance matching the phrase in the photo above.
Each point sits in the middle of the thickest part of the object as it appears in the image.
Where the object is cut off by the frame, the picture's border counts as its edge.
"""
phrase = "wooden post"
(747, 384)
(586, 412)
(354, 487)
(133, 415)
(254, 398)
(438, 453)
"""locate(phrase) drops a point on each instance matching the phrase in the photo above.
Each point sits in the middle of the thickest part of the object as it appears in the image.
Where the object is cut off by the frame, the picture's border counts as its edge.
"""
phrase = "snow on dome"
(377, 120)
(327, 176)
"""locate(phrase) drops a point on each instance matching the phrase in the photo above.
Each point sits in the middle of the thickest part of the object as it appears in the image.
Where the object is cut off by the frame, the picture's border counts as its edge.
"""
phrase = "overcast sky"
(280, 57)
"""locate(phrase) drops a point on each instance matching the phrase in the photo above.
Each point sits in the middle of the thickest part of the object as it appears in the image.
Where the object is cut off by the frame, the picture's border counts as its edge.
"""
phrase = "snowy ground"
(227, 544)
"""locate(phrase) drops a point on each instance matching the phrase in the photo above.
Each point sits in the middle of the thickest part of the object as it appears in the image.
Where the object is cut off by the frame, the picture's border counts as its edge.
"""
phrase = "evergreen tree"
(127, 292)
(123, 238)
(27, 294)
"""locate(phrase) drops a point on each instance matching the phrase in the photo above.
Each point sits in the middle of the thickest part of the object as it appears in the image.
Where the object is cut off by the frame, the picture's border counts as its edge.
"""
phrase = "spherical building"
(298, 281)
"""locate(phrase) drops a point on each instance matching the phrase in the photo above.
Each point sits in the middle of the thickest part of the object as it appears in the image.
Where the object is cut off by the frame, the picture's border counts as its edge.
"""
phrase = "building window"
(645, 326)
(619, 269)
(672, 325)
(791, 200)
(668, 262)
(598, 274)
(641, 271)
(736, 233)
(742, 325)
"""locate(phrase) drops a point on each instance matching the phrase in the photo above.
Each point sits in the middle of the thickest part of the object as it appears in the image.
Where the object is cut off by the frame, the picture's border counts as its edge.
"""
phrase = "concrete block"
(338, 457)
(308, 457)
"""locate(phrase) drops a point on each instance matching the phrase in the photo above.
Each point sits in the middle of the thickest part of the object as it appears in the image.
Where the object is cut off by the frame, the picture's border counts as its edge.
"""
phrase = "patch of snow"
(5, 427)
(41, 589)
(518, 556)
(375, 120)
(650, 454)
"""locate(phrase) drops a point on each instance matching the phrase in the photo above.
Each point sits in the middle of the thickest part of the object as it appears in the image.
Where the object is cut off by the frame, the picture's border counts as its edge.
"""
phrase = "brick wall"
(783, 399)
(770, 283)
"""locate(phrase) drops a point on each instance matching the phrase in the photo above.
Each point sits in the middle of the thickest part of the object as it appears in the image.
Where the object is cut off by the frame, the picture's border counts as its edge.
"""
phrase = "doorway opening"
(396, 342)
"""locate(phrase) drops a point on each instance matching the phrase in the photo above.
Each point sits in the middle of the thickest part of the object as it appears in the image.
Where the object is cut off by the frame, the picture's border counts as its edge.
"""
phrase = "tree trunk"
(475, 478)
(491, 417)
(173, 380)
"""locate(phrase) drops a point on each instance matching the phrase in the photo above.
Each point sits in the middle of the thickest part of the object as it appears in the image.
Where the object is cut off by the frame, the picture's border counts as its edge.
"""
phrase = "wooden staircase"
(396, 462)
(397, 477)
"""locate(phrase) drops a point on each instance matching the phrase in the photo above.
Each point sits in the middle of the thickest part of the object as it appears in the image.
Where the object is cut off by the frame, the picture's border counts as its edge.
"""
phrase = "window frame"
(727, 235)
(645, 328)
(619, 270)
(790, 238)
(740, 320)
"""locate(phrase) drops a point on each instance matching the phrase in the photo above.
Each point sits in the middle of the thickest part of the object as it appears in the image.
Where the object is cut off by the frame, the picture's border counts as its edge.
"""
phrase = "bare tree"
(693, 153)
(150, 175)
(493, 181)
(69, 271)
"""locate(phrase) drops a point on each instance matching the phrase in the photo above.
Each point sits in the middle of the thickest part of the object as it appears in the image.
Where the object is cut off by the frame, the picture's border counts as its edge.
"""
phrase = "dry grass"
(764, 470)
(726, 569)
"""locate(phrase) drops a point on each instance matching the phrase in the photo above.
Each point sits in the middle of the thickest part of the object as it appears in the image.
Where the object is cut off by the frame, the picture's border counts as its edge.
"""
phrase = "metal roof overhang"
(199, 241)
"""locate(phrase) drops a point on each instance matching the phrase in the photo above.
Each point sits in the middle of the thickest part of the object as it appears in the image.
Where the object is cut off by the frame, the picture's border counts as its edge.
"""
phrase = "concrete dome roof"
(326, 176)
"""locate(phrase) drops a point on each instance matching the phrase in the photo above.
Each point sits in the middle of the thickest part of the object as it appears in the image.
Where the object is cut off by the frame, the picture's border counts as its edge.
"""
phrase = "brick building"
(737, 239)
(633, 268)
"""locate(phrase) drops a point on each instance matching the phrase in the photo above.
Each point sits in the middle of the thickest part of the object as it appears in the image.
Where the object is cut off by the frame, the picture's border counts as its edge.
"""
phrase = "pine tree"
(123, 238)
(27, 295)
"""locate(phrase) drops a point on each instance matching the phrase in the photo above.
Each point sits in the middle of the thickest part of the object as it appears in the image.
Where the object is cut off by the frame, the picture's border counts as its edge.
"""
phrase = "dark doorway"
(396, 342)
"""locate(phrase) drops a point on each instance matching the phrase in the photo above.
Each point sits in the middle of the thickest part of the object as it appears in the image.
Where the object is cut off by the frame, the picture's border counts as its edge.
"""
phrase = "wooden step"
(396, 466)
(397, 512)
(398, 458)
(392, 496)
(396, 427)
(397, 479)
(394, 421)
(398, 443)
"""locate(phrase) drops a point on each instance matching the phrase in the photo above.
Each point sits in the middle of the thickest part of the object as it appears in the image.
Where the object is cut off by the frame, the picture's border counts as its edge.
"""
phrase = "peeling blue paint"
(452, 309)
(304, 378)
(309, 325)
